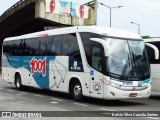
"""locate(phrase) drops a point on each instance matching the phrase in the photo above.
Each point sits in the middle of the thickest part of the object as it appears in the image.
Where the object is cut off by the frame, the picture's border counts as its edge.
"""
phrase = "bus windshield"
(127, 58)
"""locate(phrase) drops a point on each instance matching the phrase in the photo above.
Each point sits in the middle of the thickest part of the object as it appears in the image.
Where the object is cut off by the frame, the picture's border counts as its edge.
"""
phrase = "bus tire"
(77, 91)
(18, 84)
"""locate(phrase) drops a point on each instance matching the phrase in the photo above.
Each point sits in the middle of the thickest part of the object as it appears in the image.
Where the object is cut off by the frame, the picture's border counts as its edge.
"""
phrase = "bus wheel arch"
(18, 81)
(75, 89)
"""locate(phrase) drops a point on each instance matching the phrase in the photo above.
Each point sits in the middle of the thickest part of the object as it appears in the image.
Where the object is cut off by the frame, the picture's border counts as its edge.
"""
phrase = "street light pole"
(138, 27)
(110, 17)
(110, 8)
(96, 8)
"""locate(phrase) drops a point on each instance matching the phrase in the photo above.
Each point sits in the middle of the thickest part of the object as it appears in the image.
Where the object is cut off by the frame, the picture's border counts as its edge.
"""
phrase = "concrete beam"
(15, 8)
(40, 12)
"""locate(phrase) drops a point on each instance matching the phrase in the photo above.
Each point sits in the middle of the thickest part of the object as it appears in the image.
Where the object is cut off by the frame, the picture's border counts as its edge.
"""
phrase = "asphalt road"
(62, 106)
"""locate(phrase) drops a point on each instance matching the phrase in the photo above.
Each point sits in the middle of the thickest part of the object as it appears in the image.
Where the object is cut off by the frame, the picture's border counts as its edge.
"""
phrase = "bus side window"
(16, 49)
(21, 47)
(97, 58)
(70, 46)
(54, 45)
(43, 46)
(85, 37)
(7, 48)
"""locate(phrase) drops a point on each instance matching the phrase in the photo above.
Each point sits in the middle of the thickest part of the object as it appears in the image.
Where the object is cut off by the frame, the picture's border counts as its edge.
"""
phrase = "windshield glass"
(127, 58)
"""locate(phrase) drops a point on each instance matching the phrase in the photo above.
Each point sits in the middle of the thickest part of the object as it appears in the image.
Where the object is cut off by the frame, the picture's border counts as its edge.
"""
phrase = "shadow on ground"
(87, 100)
(155, 96)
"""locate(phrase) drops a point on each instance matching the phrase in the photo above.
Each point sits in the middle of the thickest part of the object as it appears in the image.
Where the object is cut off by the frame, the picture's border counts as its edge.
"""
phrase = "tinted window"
(87, 43)
(97, 58)
(54, 45)
(30, 47)
(151, 53)
(64, 45)
(6, 48)
(11, 48)
(70, 46)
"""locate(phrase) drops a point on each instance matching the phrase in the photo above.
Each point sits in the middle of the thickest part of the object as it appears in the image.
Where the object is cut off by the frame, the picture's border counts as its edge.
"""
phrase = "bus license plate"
(133, 95)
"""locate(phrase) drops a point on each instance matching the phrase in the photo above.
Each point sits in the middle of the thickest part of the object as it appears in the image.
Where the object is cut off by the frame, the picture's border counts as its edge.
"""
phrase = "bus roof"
(111, 32)
(152, 40)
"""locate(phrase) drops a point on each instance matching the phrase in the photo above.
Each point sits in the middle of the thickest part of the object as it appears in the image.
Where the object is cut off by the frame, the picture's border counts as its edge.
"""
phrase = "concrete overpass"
(27, 16)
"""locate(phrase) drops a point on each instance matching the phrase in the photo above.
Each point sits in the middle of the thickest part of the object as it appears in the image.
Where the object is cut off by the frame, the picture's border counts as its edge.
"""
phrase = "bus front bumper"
(115, 93)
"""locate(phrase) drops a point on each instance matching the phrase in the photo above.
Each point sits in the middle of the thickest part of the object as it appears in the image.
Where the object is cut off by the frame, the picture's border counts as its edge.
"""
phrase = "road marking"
(1, 88)
(107, 109)
(57, 99)
(20, 94)
(38, 95)
(10, 90)
(80, 104)
(153, 118)
(54, 102)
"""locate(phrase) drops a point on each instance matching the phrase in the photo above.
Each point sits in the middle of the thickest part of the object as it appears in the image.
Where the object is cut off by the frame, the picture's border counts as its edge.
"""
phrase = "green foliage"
(146, 37)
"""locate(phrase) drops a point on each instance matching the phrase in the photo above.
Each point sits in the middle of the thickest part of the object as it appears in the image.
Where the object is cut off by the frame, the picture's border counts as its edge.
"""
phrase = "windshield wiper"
(128, 62)
(124, 69)
(135, 61)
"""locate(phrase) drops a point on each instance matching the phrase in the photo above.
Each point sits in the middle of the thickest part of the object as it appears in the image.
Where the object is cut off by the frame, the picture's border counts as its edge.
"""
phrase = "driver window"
(97, 58)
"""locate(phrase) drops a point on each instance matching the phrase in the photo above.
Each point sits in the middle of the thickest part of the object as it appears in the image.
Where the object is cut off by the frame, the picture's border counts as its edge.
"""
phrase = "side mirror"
(104, 43)
(156, 51)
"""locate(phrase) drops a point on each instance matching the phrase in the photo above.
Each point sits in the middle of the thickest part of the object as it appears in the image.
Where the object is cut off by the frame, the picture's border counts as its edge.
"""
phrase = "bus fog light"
(147, 85)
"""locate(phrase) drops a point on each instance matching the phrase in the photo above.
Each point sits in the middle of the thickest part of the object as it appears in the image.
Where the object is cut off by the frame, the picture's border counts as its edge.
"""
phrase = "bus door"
(96, 89)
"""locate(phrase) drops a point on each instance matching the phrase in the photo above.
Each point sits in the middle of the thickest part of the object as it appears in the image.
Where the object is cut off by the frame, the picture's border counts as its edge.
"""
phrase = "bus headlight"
(105, 81)
(110, 83)
(115, 85)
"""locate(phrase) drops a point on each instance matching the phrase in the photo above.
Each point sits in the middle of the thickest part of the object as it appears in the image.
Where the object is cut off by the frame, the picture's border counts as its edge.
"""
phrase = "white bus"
(88, 61)
(153, 48)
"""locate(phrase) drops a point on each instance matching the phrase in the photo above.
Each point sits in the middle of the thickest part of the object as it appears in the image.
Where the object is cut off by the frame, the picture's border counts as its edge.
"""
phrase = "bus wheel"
(77, 91)
(18, 82)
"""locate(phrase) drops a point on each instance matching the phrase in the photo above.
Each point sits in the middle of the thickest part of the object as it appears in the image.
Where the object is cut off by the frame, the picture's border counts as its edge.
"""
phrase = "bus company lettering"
(38, 66)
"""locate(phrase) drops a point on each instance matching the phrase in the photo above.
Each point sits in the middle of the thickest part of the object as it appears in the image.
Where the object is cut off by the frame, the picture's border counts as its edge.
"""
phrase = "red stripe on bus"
(43, 35)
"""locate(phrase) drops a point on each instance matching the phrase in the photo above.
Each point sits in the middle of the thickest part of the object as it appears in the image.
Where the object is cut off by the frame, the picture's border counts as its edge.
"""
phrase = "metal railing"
(19, 5)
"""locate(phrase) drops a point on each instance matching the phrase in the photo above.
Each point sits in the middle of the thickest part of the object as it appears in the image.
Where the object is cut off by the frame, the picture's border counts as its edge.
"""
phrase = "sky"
(143, 12)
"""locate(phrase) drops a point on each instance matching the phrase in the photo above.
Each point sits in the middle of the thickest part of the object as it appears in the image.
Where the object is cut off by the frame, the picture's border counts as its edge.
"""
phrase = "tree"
(146, 37)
